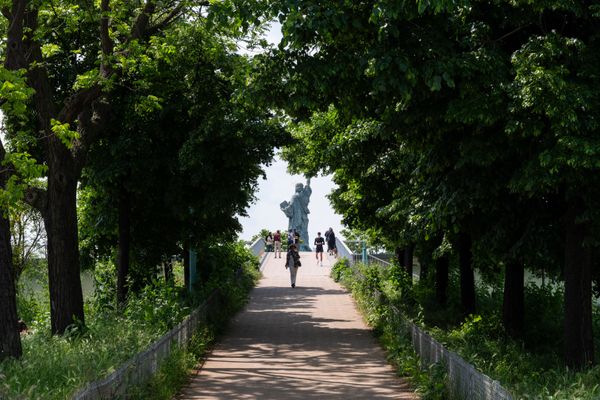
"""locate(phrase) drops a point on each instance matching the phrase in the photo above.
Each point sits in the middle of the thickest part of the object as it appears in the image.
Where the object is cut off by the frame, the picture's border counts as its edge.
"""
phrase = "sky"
(279, 186)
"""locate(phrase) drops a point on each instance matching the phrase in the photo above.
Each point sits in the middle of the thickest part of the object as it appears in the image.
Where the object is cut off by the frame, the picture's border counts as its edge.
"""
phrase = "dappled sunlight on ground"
(293, 343)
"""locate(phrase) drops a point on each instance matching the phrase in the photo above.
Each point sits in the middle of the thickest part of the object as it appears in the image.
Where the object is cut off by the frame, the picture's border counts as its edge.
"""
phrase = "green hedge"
(530, 369)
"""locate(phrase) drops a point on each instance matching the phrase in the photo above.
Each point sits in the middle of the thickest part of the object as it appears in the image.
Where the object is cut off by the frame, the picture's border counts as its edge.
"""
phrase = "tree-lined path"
(307, 342)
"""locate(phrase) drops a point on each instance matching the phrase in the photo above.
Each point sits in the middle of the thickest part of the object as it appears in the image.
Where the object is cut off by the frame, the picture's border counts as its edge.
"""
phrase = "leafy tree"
(75, 57)
(200, 137)
(459, 107)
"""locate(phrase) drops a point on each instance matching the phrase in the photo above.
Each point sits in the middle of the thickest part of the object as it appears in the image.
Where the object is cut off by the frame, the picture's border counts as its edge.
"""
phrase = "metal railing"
(143, 366)
(344, 251)
(378, 261)
(464, 380)
(258, 247)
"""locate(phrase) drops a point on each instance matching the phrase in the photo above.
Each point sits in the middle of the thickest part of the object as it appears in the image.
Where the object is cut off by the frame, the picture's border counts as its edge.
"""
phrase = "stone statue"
(297, 212)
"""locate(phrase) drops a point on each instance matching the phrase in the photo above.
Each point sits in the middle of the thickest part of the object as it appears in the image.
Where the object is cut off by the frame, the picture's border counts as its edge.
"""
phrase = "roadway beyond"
(303, 343)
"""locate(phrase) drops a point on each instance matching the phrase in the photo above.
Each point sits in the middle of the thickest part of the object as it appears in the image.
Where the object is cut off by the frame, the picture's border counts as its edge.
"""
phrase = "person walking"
(297, 238)
(292, 261)
(269, 241)
(319, 243)
(277, 241)
(330, 237)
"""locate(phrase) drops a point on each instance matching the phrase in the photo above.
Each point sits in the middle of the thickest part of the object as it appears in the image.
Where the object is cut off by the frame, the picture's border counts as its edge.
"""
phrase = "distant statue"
(297, 212)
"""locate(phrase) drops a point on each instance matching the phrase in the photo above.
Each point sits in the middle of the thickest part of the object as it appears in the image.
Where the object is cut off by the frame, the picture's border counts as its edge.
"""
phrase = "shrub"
(53, 367)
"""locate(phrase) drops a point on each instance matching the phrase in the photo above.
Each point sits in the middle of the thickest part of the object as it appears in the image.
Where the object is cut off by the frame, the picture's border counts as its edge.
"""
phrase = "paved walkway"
(302, 343)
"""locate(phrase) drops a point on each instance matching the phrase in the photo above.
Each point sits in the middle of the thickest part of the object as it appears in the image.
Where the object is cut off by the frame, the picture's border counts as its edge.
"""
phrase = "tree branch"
(75, 104)
(38, 199)
(106, 41)
(175, 13)
(142, 22)
(93, 122)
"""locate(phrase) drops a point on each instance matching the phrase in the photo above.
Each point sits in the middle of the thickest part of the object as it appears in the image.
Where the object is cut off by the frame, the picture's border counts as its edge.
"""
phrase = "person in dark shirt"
(330, 238)
(292, 261)
(319, 243)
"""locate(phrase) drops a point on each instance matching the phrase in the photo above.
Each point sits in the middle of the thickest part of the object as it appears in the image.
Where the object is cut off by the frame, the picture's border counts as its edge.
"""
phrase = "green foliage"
(105, 284)
(15, 94)
(164, 312)
(341, 270)
(232, 269)
(530, 368)
(53, 367)
(174, 370)
(201, 137)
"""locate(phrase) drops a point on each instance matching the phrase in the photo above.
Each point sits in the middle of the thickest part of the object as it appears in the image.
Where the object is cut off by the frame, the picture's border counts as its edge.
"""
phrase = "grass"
(52, 367)
(55, 367)
(174, 371)
(530, 369)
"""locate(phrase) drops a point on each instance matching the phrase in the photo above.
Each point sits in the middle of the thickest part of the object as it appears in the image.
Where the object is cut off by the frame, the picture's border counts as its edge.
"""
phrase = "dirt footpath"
(307, 342)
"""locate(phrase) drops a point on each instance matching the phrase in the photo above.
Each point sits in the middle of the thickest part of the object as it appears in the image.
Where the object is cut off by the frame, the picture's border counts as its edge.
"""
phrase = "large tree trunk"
(168, 270)
(579, 344)
(408, 260)
(513, 307)
(10, 339)
(467, 276)
(66, 298)
(124, 245)
(442, 265)
(399, 253)
(186, 266)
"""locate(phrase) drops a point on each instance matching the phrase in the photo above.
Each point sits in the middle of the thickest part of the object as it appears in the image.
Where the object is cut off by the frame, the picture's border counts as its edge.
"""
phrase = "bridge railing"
(141, 367)
(464, 380)
(344, 251)
(258, 247)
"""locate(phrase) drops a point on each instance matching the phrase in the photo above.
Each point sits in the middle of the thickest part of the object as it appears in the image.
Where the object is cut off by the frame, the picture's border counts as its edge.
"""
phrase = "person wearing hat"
(292, 261)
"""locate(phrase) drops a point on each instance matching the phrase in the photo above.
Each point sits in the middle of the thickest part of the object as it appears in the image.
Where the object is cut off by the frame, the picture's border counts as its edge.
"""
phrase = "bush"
(54, 367)
(341, 270)
(530, 369)
(376, 290)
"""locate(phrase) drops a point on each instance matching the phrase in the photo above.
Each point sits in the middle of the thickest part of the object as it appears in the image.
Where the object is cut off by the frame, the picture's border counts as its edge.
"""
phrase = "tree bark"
(66, 297)
(467, 276)
(513, 307)
(408, 260)
(168, 270)
(442, 265)
(186, 266)
(579, 344)
(124, 245)
(10, 339)
(400, 256)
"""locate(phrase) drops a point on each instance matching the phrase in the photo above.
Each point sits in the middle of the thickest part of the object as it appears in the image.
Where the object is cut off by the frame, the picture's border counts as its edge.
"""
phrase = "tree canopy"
(474, 120)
